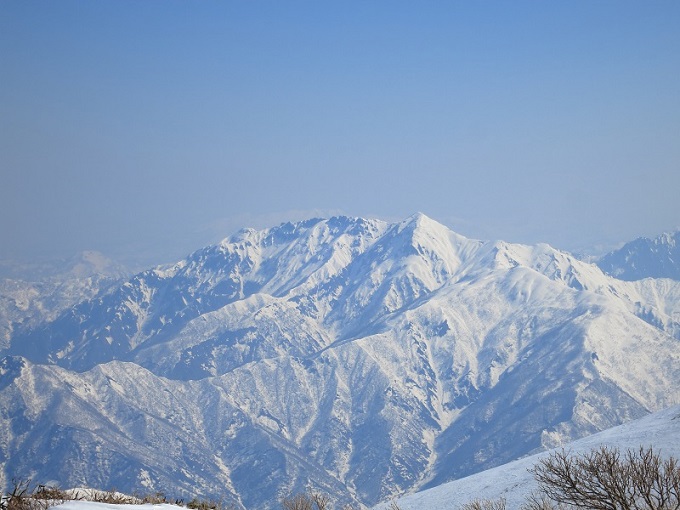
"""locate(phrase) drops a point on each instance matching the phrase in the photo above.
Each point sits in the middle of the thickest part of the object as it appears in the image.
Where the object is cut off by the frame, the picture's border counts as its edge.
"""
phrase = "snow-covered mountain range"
(362, 358)
(645, 258)
(36, 293)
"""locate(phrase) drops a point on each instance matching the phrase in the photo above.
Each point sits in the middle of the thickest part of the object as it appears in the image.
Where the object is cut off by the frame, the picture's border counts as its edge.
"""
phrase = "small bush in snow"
(606, 479)
(485, 504)
(306, 501)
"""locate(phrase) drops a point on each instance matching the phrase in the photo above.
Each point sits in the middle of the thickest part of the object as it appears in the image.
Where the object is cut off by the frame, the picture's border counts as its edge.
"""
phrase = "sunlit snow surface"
(514, 482)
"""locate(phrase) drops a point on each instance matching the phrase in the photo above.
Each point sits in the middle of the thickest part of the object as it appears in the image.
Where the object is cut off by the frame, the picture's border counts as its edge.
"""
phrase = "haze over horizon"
(151, 129)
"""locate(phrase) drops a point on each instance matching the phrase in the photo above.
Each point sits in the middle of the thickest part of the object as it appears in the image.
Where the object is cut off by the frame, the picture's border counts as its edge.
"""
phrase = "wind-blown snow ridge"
(364, 358)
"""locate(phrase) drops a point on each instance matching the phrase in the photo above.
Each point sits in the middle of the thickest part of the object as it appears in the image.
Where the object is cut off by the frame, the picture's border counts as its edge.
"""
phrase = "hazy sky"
(152, 128)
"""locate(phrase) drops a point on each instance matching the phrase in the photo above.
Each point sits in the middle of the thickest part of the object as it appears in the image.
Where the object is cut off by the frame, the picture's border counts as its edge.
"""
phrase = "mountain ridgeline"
(645, 258)
(364, 359)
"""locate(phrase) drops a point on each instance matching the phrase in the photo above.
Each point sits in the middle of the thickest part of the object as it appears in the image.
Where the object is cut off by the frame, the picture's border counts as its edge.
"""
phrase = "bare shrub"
(157, 498)
(23, 497)
(604, 479)
(15, 499)
(541, 502)
(656, 481)
(113, 497)
(307, 501)
(199, 504)
(485, 504)
(48, 492)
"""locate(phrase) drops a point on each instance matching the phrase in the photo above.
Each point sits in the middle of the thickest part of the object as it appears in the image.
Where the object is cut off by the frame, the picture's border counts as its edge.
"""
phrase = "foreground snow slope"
(514, 482)
(363, 358)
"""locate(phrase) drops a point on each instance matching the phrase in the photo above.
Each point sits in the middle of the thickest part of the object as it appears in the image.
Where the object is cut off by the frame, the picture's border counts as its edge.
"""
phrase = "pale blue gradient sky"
(152, 128)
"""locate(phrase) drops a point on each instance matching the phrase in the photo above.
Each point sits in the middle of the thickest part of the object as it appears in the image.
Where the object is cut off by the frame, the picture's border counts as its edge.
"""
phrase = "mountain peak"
(418, 217)
(420, 220)
(645, 258)
(668, 238)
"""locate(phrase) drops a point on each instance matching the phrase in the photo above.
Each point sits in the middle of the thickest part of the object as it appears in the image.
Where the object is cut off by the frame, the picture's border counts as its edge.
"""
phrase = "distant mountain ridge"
(645, 258)
(83, 264)
(34, 293)
(363, 358)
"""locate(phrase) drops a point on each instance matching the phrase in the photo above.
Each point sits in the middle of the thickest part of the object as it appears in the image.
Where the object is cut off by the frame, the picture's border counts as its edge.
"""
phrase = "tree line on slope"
(602, 479)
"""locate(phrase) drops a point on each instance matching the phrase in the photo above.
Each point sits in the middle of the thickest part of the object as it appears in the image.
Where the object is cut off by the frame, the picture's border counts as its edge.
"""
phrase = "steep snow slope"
(514, 482)
(365, 358)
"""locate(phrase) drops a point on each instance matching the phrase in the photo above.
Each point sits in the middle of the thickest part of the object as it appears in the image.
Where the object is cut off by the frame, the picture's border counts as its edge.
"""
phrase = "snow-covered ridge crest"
(645, 258)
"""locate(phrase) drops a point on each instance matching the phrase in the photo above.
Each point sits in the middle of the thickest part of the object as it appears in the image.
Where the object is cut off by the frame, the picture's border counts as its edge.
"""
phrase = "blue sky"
(149, 128)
